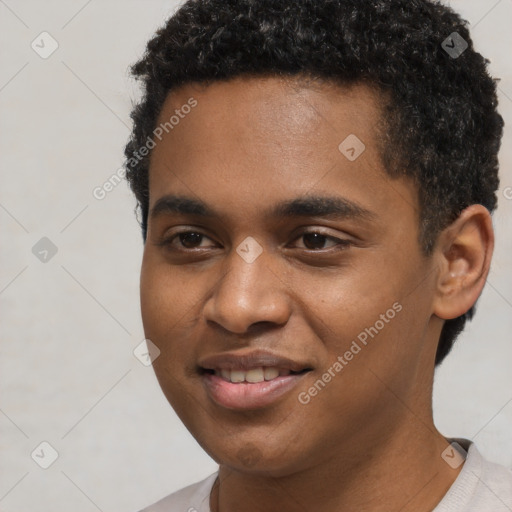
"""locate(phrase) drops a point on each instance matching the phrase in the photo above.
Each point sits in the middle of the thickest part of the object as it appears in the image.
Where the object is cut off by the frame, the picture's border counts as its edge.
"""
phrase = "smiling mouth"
(250, 388)
(249, 380)
(252, 375)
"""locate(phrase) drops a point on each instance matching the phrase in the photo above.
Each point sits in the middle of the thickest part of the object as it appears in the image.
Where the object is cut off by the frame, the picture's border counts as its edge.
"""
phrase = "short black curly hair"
(440, 124)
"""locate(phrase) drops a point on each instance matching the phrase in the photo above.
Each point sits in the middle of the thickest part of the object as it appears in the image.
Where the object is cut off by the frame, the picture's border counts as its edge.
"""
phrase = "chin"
(256, 458)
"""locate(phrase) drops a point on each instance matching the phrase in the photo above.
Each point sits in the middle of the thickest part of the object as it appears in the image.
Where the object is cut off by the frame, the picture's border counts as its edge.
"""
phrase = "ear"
(463, 253)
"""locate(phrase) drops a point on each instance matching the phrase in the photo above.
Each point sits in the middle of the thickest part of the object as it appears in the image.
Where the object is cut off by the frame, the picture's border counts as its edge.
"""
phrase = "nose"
(248, 294)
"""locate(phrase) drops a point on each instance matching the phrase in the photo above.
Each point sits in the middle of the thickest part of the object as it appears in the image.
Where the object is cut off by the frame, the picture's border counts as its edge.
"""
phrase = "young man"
(315, 180)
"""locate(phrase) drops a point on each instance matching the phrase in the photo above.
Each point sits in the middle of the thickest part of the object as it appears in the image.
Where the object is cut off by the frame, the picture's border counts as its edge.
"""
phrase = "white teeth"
(270, 373)
(254, 375)
(237, 376)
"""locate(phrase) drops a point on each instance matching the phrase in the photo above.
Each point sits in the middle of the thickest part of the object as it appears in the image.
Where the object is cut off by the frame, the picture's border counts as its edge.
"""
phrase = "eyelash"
(340, 245)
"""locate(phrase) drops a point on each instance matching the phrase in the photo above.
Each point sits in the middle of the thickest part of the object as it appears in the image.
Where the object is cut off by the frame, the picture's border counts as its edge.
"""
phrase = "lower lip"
(246, 395)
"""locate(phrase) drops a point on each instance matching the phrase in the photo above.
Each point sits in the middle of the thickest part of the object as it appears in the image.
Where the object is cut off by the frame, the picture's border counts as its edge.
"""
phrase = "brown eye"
(318, 241)
(314, 240)
(186, 241)
(190, 239)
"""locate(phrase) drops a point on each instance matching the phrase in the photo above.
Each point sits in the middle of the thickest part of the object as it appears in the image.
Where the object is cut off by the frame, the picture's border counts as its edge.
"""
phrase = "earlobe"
(464, 252)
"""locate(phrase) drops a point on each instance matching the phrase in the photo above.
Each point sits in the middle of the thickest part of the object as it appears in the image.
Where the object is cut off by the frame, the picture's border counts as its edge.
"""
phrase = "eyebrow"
(307, 206)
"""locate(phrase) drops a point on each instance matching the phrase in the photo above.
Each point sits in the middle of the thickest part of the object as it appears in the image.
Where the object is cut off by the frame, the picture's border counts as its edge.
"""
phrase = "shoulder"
(481, 486)
(497, 481)
(193, 498)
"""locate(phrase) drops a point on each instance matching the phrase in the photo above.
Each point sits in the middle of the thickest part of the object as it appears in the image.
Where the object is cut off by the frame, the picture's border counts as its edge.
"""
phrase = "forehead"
(274, 111)
(249, 142)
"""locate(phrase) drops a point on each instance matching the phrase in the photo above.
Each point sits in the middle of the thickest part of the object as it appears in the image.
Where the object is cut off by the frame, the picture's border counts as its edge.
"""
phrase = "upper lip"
(247, 360)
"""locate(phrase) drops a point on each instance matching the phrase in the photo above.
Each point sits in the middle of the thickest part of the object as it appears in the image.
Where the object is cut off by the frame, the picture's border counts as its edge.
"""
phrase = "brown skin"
(367, 441)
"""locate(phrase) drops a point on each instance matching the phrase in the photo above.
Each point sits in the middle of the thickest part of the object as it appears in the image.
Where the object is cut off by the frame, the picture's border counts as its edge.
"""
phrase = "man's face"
(276, 289)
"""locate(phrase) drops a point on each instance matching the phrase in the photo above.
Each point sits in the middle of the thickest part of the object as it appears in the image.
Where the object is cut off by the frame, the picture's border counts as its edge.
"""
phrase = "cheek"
(164, 295)
(154, 295)
(347, 303)
(374, 309)
(166, 307)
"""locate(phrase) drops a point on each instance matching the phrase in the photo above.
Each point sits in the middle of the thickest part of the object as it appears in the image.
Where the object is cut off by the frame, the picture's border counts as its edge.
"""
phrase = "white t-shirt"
(481, 486)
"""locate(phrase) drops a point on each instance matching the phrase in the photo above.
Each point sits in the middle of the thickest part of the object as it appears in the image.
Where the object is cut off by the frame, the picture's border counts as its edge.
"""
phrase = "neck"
(404, 472)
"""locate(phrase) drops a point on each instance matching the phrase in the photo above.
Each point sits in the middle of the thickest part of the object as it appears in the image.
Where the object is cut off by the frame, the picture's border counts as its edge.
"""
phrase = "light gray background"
(68, 327)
